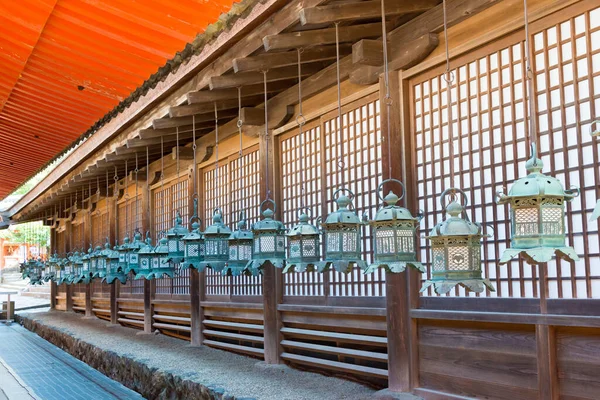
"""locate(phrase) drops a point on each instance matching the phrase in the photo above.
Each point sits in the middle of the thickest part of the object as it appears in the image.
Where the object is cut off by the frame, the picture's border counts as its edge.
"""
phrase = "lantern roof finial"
(534, 165)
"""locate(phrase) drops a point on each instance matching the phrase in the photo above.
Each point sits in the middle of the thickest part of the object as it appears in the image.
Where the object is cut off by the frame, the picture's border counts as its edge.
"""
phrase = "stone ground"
(32, 368)
(235, 375)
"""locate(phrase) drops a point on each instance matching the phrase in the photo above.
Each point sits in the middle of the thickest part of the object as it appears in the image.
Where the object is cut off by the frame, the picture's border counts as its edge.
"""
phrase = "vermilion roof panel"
(65, 63)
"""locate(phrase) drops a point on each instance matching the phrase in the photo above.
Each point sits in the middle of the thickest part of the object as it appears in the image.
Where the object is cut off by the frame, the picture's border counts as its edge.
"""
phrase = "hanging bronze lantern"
(303, 252)
(113, 268)
(193, 242)
(133, 259)
(456, 249)
(596, 133)
(85, 259)
(174, 236)
(124, 253)
(342, 236)
(145, 255)
(216, 240)
(78, 267)
(240, 249)
(51, 265)
(103, 259)
(94, 256)
(537, 204)
(67, 275)
(160, 260)
(394, 232)
(269, 241)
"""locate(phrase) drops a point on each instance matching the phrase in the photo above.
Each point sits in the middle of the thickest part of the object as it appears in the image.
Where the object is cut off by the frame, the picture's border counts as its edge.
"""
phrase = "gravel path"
(238, 375)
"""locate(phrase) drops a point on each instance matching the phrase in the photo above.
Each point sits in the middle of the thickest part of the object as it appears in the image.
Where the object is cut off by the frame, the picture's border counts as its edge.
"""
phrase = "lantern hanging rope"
(123, 249)
(216, 236)
(268, 233)
(303, 249)
(394, 228)
(193, 242)
(537, 201)
(595, 133)
(146, 252)
(114, 269)
(342, 228)
(178, 231)
(133, 261)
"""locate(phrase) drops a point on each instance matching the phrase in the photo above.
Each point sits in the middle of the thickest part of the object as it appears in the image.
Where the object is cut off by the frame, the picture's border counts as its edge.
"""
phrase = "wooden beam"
(431, 21)
(368, 52)
(185, 153)
(411, 54)
(295, 40)
(253, 116)
(134, 143)
(202, 108)
(362, 10)
(210, 96)
(265, 61)
(201, 129)
(254, 78)
(165, 123)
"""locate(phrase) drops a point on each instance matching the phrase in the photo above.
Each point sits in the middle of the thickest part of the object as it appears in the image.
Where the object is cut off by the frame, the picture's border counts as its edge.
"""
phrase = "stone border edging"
(149, 382)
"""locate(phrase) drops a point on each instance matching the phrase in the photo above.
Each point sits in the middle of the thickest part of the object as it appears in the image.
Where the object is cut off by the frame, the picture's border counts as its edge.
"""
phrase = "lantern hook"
(452, 193)
(380, 187)
(307, 210)
(597, 131)
(573, 191)
(260, 207)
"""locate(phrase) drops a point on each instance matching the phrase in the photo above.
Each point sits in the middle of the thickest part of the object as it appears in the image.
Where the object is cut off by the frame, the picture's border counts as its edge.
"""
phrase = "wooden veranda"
(537, 336)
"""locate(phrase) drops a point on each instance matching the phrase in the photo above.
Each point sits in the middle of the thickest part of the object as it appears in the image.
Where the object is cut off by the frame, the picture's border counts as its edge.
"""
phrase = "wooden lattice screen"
(100, 226)
(79, 243)
(237, 190)
(361, 140)
(168, 199)
(491, 146)
(129, 217)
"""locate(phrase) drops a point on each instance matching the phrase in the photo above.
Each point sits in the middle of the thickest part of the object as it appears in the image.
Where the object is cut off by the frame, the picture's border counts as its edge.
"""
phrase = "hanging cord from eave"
(216, 157)
(267, 139)
(137, 214)
(126, 200)
(162, 183)
(449, 79)
(194, 167)
(386, 79)
(147, 184)
(300, 120)
(341, 164)
(529, 77)
(177, 155)
(116, 195)
(240, 124)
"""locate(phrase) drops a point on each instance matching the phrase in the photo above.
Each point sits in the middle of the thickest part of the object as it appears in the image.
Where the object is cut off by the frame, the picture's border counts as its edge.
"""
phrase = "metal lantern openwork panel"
(216, 240)
(160, 260)
(240, 248)
(269, 240)
(394, 231)
(194, 247)
(456, 249)
(342, 232)
(145, 254)
(537, 213)
(114, 271)
(124, 252)
(132, 257)
(304, 248)
(175, 242)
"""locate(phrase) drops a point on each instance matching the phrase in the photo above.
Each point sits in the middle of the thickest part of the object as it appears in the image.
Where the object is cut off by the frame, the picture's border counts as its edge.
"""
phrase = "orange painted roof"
(65, 63)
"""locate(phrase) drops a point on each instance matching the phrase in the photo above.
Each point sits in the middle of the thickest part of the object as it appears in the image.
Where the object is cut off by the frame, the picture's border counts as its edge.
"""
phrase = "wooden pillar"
(69, 296)
(53, 292)
(399, 287)
(1, 253)
(88, 301)
(197, 293)
(546, 345)
(114, 307)
(149, 291)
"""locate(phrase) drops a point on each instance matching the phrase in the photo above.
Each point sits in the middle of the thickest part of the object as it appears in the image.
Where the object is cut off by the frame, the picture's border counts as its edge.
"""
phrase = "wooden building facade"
(537, 336)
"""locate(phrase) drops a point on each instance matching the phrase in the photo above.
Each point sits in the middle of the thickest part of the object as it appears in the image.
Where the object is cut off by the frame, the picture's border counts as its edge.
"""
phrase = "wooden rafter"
(363, 10)
(164, 123)
(254, 78)
(208, 96)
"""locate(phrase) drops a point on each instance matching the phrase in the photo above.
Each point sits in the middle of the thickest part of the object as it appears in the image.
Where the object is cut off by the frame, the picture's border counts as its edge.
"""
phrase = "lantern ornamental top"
(536, 184)
(268, 223)
(343, 215)
(217, 227)
(303, 227)
(241, 233)
(178, 229)
(195, 233)
(392, 212)
(455, 225)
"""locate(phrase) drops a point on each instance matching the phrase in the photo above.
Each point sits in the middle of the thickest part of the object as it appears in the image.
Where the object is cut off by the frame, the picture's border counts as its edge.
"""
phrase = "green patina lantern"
(84, 276)
(34, 271)
(103, 260)
(595, 133)
(145, 255)
(94, 257)
(85, 259)
(216, 240)
(537, 204)
(303, 252)
(160, 261)
(51, 267)
(269, 240)
(456, 249)
(240, 249)
(193, 242)
(114, 271)
(124, 253)
(175, 242)
(394, 232)
(67, 273)
(342, 236)
(77, 267)
(133, 259)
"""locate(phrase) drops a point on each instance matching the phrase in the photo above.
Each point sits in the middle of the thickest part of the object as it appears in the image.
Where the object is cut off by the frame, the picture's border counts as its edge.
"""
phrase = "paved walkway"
(30, 367)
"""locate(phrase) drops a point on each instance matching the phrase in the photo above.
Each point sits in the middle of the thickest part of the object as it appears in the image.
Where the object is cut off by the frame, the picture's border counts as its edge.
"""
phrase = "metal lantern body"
(103, 260)
(175, 242)
(303, 250)
(194, 249)
(51, 267)
(94, 257)
(35, 272)
(269, 241)
(133, 259)
(456, 251)
(160, 261)
(67, 276)
(145, 255)
(537, 213)
(394, 231)
(216, 240)
(124, 253)
(114, 271)
(342, 237)
(84, 276)
(240, 249)
(86, 261)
